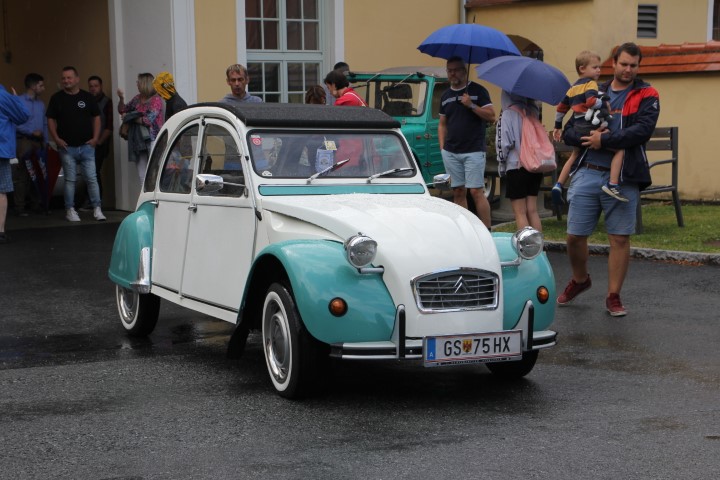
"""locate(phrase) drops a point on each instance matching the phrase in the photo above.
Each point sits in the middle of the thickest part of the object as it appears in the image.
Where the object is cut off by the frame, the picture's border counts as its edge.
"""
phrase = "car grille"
(463, 289)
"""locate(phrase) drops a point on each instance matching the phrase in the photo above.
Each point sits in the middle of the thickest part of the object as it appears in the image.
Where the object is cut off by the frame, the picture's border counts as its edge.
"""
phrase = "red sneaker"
(572, 290)
(614, 305)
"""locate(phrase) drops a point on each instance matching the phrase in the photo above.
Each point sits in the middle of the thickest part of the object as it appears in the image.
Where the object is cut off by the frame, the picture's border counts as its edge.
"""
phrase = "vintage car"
(313, 226)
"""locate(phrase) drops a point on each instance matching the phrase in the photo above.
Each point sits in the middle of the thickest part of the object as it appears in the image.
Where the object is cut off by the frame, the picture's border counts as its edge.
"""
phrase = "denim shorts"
(465, 169)
(6, 185)
(586, 201)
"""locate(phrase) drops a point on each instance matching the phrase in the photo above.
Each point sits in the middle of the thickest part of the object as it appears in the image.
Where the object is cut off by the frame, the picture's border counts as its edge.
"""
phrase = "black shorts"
(519, 183)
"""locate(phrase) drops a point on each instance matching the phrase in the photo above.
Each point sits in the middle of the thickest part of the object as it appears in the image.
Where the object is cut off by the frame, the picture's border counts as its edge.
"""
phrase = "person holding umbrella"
(465, 110)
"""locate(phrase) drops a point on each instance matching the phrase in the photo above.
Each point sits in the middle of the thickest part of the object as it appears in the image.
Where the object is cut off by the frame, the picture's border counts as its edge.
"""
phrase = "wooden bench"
(664, 139)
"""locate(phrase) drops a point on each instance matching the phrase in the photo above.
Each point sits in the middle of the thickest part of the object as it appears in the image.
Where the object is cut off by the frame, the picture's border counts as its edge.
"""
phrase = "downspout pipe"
(463, 13)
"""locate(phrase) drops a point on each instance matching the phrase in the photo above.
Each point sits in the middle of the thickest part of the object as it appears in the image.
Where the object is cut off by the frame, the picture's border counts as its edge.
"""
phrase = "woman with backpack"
(522, 186)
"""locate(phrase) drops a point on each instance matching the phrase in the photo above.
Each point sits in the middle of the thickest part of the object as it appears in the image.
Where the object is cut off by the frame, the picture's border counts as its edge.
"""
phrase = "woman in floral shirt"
(145, 109)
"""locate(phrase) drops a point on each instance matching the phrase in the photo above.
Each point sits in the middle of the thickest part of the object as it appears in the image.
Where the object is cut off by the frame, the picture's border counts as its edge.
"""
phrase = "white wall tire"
(291, 354)
(138, 312)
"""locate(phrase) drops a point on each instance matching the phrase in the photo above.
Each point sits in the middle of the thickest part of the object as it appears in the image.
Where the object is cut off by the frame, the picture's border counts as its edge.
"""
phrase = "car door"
(172, 199)
(222, 224)
(434, 163)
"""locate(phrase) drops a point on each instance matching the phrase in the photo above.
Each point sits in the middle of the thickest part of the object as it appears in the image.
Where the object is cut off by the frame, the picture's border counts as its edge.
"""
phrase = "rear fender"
(131, 260)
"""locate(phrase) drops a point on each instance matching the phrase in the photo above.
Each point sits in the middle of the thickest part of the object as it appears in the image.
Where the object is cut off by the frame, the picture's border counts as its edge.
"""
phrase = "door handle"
(192, 207)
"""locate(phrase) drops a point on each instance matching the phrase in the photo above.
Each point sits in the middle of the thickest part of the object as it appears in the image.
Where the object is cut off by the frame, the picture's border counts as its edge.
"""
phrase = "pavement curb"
(647, 253)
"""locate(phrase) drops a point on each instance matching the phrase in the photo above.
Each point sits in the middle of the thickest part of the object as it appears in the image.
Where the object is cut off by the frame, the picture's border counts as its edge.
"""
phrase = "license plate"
(475, 348)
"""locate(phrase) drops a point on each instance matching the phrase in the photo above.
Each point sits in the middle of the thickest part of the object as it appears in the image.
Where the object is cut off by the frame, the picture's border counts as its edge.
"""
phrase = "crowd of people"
(607, 168)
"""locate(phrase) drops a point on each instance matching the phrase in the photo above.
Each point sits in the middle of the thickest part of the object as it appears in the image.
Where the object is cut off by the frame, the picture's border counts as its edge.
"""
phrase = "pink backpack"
(537, 154)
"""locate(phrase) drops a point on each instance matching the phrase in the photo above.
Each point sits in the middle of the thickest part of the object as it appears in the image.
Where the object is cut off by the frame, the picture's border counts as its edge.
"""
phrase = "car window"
(154, 163)
(177, 171)
(396, 98)
(302, 154)
(220, 156)
(438, 90)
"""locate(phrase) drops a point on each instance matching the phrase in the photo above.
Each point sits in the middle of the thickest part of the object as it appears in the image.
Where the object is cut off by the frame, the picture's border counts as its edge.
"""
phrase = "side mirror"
(208, 183)
(441, 181)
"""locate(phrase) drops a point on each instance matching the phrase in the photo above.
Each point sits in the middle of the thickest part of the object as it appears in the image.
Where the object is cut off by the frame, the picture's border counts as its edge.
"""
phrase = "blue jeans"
(84, 156)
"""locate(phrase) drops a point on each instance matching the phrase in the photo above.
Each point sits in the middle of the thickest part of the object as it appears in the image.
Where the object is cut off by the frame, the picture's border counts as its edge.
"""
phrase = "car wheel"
(138, 312)
(514, 370)
(292, 355)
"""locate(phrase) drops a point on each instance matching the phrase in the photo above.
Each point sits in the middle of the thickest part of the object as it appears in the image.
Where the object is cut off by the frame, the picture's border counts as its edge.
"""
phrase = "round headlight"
(360, 250)
(528, 243)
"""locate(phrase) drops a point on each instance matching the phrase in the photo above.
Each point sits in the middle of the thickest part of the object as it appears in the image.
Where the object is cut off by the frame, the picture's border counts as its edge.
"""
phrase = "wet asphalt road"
(637, 397)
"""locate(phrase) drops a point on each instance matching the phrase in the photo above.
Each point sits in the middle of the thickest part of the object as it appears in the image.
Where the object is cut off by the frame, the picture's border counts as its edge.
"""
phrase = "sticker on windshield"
(324, 159)
(330, 145)
(257, 141)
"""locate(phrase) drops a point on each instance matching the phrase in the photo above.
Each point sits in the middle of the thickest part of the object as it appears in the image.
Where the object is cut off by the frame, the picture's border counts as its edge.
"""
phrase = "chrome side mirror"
(441, 181)
(208, 183)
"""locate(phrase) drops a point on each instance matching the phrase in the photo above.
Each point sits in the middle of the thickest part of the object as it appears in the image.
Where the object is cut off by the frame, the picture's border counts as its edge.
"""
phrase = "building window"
(716, 21)
(283, 48)
(647, 21)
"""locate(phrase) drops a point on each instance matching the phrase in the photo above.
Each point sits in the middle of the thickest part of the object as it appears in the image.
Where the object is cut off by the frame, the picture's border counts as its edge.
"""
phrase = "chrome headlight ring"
(528, 243)
(360, 250)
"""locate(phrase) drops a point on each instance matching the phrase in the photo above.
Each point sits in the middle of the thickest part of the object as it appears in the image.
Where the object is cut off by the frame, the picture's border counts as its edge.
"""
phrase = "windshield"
(397, 99)
(304, 154)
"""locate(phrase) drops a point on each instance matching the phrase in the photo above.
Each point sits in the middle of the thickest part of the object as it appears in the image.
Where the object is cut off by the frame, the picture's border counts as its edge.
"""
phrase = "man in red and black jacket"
(635, 107)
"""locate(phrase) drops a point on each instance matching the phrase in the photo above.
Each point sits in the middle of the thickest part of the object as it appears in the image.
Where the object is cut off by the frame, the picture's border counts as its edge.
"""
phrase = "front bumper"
(401, 346)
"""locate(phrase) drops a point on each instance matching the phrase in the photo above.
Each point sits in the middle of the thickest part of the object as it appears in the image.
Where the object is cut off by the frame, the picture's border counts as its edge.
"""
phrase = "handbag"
(124, 130)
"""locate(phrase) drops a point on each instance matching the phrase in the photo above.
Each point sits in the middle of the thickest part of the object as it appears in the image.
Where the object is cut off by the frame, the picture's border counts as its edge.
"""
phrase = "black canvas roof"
(312, 116)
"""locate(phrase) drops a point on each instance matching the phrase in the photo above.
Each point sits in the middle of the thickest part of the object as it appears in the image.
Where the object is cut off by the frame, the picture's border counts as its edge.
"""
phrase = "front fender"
(520, 284)
(319, 272)
(134, 234)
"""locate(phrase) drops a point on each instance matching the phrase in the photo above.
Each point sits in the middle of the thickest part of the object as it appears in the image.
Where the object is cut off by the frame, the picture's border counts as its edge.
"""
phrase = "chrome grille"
(462, 289)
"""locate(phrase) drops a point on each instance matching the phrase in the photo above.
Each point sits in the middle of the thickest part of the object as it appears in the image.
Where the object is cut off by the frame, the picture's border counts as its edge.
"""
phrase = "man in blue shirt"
(12, 113)
(31, 140)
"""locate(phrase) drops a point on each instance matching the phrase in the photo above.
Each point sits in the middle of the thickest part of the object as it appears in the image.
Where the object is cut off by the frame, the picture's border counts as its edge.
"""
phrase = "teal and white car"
(314, 226)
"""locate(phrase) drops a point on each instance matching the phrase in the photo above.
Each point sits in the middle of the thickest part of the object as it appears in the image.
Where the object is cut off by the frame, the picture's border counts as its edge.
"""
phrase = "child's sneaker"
(614, 191)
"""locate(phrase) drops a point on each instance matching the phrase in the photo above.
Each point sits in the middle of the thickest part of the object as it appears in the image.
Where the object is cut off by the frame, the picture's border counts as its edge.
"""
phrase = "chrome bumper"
(401, 346)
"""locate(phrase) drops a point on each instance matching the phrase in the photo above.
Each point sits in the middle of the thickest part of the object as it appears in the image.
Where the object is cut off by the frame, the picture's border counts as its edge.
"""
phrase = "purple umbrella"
(472, 42)
(526, 77)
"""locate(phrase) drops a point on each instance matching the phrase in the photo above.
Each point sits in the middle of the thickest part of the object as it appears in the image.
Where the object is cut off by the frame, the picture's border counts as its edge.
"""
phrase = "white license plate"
(475, 348)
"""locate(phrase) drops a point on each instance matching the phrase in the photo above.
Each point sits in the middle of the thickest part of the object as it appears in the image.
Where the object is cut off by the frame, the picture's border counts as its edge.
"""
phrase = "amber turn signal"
(337, 307)
(543, 294)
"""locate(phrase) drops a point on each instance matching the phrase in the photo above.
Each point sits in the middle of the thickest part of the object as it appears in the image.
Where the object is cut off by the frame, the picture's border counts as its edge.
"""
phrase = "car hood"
(420, 230)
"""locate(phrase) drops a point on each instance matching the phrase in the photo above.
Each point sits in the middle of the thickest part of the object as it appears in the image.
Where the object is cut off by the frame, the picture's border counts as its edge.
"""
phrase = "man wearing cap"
(165, 87)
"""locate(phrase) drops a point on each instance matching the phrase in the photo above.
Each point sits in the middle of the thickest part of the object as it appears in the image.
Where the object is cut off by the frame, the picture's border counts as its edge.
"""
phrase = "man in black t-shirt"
(465, 110)
(74, 126)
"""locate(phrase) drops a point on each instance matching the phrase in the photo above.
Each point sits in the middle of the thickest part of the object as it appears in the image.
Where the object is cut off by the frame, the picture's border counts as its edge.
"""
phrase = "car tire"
(138, 312)
(514, 370)
(293, 357)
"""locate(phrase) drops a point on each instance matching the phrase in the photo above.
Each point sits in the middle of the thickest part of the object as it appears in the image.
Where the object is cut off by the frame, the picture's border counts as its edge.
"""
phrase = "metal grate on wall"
(647, 21)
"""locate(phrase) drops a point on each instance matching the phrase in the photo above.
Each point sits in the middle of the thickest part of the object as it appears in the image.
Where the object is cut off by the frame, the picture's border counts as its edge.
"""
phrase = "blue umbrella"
(472, 42)
(526, 77)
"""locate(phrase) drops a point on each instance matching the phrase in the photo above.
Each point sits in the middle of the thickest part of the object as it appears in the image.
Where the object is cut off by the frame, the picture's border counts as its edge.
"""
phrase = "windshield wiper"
(389, 172)
(327, 170)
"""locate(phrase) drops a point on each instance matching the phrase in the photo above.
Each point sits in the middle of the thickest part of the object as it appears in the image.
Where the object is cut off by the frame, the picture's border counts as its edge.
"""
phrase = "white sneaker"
(71, 215)
(97, 213)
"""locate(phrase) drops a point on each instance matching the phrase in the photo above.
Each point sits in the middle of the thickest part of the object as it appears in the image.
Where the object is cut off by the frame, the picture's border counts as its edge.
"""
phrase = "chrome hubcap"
(276, 340)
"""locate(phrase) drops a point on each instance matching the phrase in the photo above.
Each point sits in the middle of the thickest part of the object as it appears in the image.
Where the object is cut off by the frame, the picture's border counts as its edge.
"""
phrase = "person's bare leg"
(482, 206)
(520, 212)
(578, 255)
(618, 261)
(3, 211)
(533, 217)
(460, 196)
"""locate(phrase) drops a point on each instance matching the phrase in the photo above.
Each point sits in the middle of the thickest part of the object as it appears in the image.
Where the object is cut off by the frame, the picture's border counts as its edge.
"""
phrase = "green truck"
(412, 96)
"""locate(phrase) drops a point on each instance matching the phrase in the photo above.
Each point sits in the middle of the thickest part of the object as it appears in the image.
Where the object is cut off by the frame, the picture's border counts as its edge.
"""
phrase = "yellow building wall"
(215, 46)
(386, 33)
